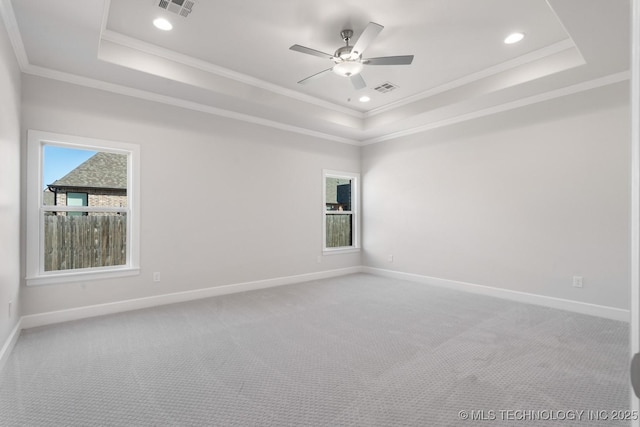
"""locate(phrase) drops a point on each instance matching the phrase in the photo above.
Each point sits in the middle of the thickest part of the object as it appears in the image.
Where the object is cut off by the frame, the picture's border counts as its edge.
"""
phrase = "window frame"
(355, 212)
(35, 273)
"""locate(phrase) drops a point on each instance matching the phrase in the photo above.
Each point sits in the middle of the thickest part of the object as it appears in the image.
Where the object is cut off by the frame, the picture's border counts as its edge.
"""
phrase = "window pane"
(77, 199)
(77, 240)
(100, 176)
(338, 230)
(338, 194)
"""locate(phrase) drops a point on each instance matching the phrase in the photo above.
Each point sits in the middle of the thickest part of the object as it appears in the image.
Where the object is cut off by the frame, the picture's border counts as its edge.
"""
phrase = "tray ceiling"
(233, 58)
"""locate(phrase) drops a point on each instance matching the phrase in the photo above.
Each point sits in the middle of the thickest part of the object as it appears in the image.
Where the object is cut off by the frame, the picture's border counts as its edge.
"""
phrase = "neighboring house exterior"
(100, 181)
(338, 194)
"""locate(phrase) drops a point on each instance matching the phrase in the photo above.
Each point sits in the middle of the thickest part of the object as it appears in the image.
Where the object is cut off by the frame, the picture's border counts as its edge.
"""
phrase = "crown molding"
(190, 61)
(168, 100)
(139, 45)
(8, 16)
(479, 75)
(176, 102)
(105, 16)
(534, 99)
(10, 22)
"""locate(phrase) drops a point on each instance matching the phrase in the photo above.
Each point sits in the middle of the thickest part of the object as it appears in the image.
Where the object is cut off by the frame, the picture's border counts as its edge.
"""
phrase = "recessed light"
(364, 98)
(162, 24)
(514, 38)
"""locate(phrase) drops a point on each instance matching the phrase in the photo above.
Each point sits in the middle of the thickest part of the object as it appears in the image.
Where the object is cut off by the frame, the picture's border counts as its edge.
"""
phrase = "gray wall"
(9, 186)
(222, 201)
(522, 200)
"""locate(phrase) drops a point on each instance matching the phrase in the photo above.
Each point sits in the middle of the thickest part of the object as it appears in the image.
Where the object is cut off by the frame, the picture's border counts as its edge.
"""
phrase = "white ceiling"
(232, 57)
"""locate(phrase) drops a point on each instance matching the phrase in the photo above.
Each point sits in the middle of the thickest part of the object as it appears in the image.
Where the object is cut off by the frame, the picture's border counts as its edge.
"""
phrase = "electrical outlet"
(10, 304)
(156, 276)
(319, 259)
(390, 258)
(577, 281)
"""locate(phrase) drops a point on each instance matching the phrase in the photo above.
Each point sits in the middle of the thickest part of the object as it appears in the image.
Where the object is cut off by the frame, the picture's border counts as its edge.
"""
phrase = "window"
(82, 208)
(77, 199)
(340, 211)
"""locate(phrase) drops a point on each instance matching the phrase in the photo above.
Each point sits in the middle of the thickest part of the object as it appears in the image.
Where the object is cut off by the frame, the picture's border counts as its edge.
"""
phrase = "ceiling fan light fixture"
(347, 68)
(513, 38)
(162, 24)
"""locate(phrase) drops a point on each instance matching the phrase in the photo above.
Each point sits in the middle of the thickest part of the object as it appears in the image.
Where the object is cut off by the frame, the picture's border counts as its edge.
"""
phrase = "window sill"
(80, 276)
(340, 251)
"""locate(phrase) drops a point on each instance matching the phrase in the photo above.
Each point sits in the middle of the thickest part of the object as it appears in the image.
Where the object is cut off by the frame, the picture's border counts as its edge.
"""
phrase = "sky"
(59, 161)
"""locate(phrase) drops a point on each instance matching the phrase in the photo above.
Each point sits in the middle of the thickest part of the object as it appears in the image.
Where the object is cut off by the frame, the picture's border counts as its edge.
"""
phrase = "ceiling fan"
(348, 59)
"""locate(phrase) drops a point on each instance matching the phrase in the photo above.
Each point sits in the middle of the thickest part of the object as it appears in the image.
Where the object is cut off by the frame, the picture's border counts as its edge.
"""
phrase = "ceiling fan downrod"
(344, 53)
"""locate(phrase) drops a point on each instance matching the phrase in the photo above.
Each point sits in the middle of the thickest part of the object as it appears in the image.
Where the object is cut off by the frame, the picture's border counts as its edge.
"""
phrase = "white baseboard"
(41, 319)
(10, 343)
(546, 301)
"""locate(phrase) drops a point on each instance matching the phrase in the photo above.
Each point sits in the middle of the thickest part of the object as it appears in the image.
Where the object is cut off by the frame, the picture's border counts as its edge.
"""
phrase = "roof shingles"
(102, 170)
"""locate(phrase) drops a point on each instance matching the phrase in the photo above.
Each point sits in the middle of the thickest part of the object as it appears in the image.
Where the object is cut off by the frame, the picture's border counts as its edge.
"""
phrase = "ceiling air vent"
(385, 87)
(179, 7)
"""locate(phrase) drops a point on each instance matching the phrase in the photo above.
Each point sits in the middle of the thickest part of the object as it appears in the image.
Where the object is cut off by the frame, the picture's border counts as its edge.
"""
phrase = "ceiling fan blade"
(389, 60)
(358, 82)
(313, 77)
(368, 35)
(310, 51)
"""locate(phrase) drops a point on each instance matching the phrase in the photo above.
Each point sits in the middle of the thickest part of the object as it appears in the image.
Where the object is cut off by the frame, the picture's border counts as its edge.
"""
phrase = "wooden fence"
(338, 231)
(84, 241)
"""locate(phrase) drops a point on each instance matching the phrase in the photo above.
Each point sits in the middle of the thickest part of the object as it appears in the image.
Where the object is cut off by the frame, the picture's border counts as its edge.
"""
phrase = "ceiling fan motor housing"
(343, 53)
